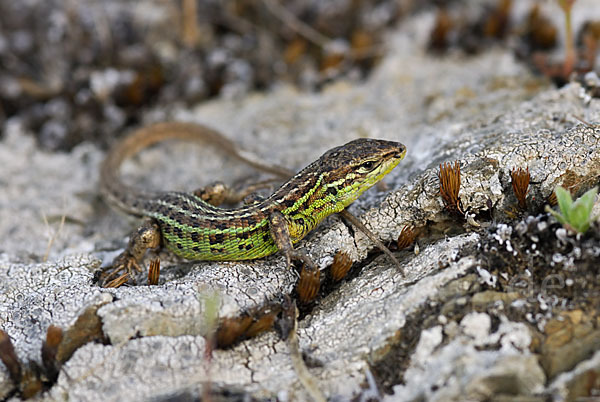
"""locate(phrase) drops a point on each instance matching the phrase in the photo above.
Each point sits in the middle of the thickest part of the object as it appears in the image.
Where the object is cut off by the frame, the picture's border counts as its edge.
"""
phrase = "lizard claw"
(124, 262)
(145, 237)
(117, 282)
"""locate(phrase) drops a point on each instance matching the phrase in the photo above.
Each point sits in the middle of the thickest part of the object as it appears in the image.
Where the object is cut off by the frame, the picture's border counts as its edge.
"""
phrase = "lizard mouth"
(400, 153)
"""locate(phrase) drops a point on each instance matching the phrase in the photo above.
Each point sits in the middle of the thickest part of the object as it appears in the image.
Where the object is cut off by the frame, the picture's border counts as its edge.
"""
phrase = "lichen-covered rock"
(491, 363)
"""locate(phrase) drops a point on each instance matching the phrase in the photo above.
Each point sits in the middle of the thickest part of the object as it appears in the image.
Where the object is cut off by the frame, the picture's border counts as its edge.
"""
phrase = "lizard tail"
(128, 198)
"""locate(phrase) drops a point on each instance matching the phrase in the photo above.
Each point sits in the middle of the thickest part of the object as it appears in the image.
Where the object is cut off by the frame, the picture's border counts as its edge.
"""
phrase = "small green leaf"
(574, 215)
(565, 202)
(579, 219)
(582, 209)
(587, 200)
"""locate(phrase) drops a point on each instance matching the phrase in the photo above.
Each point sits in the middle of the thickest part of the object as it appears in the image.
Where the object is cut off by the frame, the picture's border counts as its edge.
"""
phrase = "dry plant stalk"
(450, 186)
(308, 284)
(154, 272)
(262, 323)
(573, 189)
(520, 183)
(190, 32)
(570, 56)
(54, 235)
(54, 337)
(572, 181)
(552, 200)
(232, 329)
(340, 266)
(9, 357)
(308, 381)
(407, 237)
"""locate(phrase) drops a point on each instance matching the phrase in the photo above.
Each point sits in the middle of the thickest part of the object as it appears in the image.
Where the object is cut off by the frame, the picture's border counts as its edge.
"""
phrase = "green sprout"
(576, 215)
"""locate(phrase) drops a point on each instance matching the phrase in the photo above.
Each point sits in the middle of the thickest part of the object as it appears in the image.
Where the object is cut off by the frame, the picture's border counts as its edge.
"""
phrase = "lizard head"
(336, 179)
(350, 169)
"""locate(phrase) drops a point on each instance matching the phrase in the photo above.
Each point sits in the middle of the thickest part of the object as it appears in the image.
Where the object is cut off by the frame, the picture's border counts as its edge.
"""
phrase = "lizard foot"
(124, 262)
(301, 256)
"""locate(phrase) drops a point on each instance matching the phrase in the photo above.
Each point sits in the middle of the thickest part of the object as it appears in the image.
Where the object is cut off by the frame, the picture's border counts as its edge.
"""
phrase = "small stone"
(451, 329)
(482, 299)
(575, 316)
(513, 375)
(559, 355)
(476, 325)
(554, 325)
(585, 385)
(559, 337)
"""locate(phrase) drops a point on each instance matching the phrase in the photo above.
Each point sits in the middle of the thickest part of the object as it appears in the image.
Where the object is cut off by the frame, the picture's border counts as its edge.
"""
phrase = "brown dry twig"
(317, 38)
(450, 186)
(9, 357)
(296, 24)
(154, 271)
(520, 183)
(54, 337)
(190, 32)
(232, 329)
(407, 237)
(308, 284)
(570, 56)
(263, 322)
(340, 266)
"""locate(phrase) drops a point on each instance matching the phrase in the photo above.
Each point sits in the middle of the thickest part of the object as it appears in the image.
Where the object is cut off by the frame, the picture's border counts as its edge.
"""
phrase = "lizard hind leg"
(219, 193)
(147, 236)
(253, 199)
(215, 194)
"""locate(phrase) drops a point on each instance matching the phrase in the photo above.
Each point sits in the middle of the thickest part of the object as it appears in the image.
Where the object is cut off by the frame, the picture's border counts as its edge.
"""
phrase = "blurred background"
(75, 70)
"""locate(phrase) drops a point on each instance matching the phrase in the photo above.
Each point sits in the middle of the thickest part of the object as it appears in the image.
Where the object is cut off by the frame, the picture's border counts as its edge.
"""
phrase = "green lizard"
(195, 229)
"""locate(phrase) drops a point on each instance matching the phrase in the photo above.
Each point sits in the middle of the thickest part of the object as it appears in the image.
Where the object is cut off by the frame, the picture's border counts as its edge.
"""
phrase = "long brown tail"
(125, 197)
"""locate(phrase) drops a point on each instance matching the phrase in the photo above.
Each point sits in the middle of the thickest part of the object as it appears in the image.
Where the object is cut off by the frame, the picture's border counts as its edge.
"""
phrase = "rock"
(563, 351)
(581, 382)
(585, 385)
(476, 325)
(482, 299)
(484, 372)
(571, 338)
(513, 375)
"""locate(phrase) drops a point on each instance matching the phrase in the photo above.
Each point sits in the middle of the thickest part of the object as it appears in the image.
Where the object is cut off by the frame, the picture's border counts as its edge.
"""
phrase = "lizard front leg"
(280, 232)
(146, 236)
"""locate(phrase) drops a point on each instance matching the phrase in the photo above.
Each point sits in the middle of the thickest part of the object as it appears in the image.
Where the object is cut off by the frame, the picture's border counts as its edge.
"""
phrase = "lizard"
(191, 225)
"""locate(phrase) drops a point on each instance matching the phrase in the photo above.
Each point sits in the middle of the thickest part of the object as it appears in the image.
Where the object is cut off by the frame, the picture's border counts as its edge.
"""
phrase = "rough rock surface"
(443, 109)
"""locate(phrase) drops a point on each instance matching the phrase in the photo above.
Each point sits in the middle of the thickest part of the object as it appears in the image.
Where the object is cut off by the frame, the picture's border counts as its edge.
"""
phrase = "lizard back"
(196, 230)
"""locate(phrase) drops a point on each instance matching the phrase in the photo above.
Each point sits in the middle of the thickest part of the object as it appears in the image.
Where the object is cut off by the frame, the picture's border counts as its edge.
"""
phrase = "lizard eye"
(367, 166)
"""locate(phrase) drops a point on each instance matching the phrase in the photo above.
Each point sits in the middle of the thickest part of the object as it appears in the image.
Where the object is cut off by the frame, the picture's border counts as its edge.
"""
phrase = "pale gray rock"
(485, 372)
(34, 296)
(177, 309)
(332, 335)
